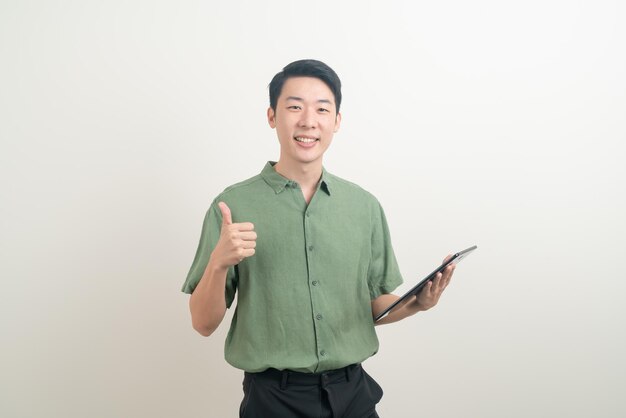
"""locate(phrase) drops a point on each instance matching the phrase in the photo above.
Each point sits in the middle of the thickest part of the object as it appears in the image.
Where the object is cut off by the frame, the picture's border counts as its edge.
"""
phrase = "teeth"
(305, 140)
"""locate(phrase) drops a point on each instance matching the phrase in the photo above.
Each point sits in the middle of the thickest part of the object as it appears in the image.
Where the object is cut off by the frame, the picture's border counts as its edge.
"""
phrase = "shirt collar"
(278, 182)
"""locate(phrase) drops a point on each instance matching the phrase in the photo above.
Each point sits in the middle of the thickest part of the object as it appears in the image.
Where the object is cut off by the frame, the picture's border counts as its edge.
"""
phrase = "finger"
(249, 252)
(437, 283)
(248, 244)
(448, 274)
(447, 271)
(430, 286)
(226, 215)
(445, 280)
(427, 295)
(244, 226)
(247, 235)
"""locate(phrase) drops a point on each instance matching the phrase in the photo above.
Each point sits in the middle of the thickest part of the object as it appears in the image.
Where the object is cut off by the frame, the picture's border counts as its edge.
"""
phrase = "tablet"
(456, 258)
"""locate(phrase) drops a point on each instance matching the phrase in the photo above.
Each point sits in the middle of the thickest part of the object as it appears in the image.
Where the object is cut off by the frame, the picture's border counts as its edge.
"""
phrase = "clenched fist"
(237, 240)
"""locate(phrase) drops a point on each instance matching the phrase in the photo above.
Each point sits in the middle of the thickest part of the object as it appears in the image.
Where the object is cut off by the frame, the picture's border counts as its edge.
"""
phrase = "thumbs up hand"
(237, 240)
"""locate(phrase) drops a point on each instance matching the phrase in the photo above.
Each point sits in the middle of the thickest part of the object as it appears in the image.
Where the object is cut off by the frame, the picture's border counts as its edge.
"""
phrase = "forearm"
(403, 310)
(208, 302)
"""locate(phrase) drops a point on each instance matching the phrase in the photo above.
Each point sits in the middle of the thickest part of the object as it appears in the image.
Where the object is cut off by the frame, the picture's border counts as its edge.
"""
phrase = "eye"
(321, 109)
(294, 107)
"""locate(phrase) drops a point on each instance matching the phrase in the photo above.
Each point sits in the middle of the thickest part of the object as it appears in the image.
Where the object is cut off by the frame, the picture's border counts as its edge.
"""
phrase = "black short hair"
(306, 68)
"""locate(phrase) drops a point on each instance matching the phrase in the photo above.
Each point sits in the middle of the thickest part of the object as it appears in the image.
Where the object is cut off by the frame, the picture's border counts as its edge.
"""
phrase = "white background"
(494, 123)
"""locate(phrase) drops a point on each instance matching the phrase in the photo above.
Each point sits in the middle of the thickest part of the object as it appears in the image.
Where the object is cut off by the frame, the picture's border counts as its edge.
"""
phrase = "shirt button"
(310, 248)
(308, 214)
(319, 316)
(314, 283)
(322, 353)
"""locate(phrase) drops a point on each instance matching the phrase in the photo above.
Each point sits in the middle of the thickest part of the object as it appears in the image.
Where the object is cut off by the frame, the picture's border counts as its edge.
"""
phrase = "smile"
(305, 140)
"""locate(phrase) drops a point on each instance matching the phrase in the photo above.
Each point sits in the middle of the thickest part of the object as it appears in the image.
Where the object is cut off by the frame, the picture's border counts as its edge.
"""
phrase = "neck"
(306, 175)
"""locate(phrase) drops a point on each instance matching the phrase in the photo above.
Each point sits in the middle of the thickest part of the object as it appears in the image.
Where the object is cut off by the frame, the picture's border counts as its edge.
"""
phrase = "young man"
(310, 257)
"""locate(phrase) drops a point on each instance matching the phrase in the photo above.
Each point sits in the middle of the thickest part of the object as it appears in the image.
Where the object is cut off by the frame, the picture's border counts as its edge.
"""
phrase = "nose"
(307, 118)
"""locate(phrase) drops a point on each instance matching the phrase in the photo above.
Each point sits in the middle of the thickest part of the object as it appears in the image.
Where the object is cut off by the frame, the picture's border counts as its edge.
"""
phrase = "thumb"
(226, 216)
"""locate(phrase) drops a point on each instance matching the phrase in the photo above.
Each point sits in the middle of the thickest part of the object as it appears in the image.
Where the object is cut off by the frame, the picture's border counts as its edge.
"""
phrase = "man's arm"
(207, 302)
(424, 300)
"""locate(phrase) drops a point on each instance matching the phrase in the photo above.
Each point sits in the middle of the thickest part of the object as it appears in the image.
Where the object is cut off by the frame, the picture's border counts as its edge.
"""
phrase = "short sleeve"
(383, 274)
(209, 236)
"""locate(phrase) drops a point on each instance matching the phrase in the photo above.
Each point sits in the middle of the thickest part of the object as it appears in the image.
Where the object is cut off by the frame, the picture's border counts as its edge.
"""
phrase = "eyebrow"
(300, 99)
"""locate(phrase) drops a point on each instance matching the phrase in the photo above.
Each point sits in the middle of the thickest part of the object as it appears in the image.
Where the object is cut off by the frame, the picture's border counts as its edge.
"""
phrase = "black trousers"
(343, 393)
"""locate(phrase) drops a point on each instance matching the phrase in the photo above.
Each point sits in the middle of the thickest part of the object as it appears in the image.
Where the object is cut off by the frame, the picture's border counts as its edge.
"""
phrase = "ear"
(271, 117)
(337, 122)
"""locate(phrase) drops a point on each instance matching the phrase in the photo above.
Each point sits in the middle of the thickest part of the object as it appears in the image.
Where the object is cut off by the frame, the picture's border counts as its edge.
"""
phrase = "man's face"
(305, 120)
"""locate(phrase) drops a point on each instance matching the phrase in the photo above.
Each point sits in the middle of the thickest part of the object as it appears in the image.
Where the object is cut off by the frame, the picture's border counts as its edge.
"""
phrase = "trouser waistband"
(289, 377)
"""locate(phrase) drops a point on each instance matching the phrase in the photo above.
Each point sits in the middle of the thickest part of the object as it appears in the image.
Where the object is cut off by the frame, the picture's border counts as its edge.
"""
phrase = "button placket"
(308, 249)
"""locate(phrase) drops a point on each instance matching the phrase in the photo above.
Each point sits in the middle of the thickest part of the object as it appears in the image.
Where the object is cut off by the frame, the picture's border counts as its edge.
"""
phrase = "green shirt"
(304, 298)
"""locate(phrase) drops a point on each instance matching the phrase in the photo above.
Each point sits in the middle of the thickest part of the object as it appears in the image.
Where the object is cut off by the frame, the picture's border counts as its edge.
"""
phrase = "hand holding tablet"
(456, 258)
